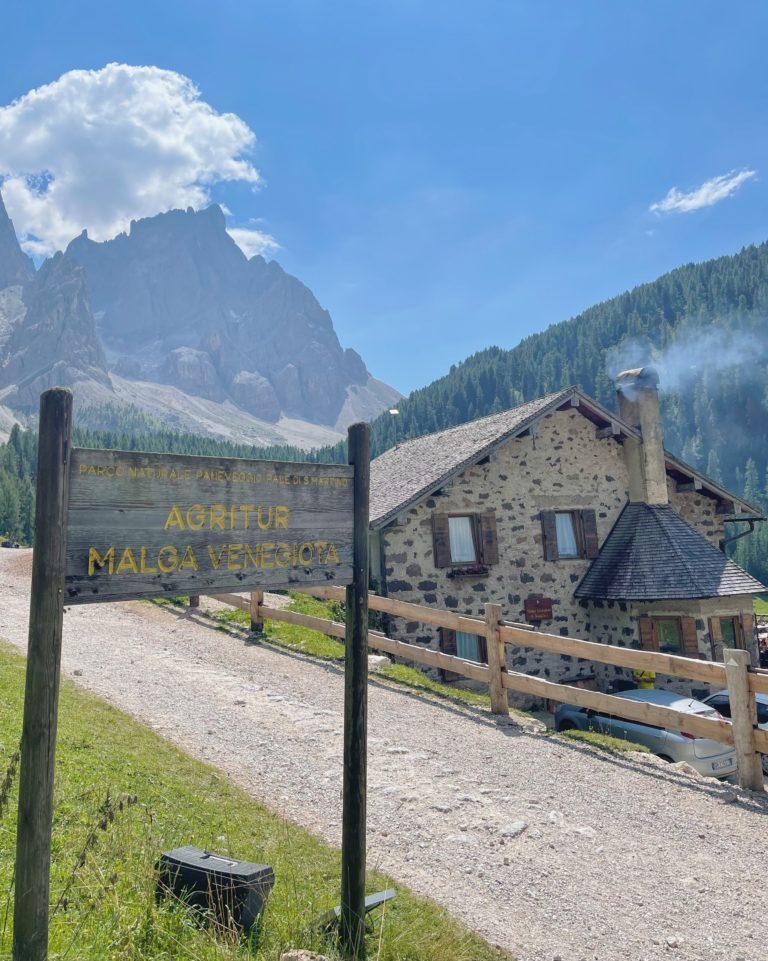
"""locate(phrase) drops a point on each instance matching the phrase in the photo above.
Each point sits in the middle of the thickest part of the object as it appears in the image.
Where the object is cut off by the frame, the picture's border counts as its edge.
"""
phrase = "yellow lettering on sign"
(332, 557)
(189, 559)
(215, 558)
(168, 559)
(265, 520)
(266, 551)
(97, 562)
(127, 562)
(175, 519)
(282, 555)
(234, 557)
(196, 517)
(305, 554)
(144, 567)
(282, 516)
(218, 516)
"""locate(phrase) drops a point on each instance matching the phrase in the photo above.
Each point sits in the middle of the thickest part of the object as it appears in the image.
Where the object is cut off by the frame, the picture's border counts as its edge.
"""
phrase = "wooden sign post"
(41, 695)
(353, 841)
(113, 525)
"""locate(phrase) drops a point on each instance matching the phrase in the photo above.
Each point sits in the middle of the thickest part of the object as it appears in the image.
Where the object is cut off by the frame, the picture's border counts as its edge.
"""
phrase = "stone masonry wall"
(563, 467)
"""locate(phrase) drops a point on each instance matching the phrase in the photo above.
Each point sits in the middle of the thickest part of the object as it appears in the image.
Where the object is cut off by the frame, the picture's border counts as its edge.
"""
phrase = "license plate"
(720, 765)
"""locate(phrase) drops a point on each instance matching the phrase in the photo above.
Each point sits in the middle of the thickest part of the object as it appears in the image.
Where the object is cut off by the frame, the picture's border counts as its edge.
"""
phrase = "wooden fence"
(735, 674)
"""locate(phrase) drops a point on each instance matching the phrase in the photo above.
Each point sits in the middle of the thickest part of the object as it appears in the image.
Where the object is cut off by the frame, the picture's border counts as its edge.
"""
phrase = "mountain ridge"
(174, 302)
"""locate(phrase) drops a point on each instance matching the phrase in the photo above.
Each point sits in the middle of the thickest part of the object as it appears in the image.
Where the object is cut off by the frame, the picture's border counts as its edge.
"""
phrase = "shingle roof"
(405, 473)
(653, 555)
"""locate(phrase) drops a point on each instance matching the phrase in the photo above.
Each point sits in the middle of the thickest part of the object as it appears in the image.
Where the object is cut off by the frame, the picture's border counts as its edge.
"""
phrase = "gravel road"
(546, 848)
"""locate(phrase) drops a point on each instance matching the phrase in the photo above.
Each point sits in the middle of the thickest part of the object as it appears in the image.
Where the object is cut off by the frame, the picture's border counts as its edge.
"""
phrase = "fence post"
(194, 600)
(41, 697)
(354, 790)
(497, 660)
(257, 621)
(743, 718)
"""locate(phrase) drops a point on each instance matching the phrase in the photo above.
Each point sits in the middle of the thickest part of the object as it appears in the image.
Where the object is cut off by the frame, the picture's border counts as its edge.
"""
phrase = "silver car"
(722, 703)
(710, 758)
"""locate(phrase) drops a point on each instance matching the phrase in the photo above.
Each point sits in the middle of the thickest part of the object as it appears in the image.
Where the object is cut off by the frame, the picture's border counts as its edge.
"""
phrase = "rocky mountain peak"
(54, 341)
(174, 309)
(15, 266)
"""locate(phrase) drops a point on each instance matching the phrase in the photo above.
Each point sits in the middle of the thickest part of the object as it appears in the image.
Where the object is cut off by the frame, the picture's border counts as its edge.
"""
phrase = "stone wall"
(564, 466)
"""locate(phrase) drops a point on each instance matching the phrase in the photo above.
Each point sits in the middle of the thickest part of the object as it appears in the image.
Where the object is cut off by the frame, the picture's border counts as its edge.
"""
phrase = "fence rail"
(742, 682)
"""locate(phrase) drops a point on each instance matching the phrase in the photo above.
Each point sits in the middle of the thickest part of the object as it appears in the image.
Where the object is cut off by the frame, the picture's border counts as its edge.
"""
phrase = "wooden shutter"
(747, 623)
(447, 644)
(716, 638)
(649, 635)
(482, 648)
(589, 533)
(441, 542)
(549, 535)
(448, 641)
(489, 545)
(748, 639)
(690, 639)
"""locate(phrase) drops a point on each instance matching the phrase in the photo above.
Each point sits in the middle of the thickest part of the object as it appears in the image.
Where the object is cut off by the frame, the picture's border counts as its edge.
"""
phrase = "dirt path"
(617, 859)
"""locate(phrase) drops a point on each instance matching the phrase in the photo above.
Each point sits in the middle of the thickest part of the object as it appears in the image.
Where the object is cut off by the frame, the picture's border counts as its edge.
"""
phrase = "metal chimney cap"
(640, 377)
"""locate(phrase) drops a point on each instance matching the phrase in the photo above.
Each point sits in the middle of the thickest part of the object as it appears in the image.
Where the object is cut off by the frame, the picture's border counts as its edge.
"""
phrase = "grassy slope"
(110, 907)
(761, 604)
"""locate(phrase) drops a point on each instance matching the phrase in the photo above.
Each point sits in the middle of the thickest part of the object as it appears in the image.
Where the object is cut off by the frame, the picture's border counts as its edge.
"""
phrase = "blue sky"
(447, 176)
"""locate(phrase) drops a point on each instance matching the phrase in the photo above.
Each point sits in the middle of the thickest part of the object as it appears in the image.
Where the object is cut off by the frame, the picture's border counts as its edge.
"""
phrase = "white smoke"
(693, 353)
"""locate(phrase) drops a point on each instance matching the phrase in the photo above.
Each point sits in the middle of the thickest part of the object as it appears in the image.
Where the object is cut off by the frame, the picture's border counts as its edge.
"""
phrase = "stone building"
(574, 519)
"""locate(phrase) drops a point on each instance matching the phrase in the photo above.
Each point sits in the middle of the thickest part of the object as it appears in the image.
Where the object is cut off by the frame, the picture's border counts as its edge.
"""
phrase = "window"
(461, 537)
(569, 534)
(670, 635)
(728, 632)
(465, 542)
(468, 646)
(565, 530)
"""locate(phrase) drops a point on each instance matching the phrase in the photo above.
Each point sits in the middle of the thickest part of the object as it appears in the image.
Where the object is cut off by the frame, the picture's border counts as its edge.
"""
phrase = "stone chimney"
(638, 397)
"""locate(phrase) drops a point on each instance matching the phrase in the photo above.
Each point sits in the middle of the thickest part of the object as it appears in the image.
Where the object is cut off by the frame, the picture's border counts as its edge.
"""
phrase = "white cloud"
(98, 148)
(710, 192)
(252, 242)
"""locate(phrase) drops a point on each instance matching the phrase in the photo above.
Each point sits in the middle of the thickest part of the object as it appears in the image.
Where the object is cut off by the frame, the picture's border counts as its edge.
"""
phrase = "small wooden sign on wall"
(537, 609)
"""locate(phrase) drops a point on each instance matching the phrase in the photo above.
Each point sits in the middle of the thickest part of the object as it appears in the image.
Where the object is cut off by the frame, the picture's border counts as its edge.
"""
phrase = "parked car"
(710, 758)
(721, 703)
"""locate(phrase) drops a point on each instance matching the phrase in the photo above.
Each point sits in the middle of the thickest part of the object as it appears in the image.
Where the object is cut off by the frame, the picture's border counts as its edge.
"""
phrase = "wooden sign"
(537, 609)
(111, 525)
(146, 525)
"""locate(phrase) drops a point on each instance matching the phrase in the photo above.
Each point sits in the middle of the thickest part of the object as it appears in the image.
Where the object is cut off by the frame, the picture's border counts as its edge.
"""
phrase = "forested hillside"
(704, 325)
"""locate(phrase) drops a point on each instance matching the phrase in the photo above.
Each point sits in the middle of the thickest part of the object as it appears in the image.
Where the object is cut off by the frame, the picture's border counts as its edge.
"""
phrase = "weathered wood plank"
(354, 789)
(148, 525)
(38, 737)
(670, 664)
(621, 707)
(743, 719)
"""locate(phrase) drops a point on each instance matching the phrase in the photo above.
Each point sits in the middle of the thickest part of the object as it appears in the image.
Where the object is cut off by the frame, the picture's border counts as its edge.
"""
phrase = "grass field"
(123, 795)
(761, 604)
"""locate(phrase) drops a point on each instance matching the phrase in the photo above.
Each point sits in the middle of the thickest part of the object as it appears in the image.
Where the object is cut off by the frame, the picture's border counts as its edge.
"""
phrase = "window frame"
(677, 621)
(474, 522)
(577, 525)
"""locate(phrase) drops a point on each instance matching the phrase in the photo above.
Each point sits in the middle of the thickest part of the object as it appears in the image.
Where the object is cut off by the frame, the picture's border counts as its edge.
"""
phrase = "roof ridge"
(476, 420)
